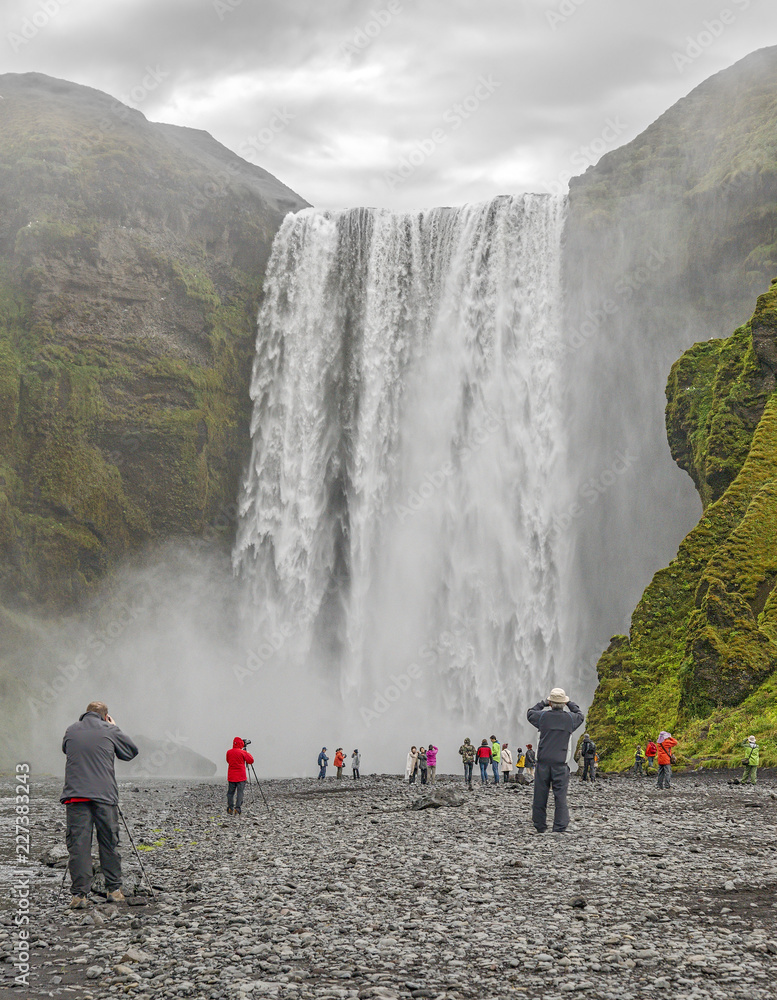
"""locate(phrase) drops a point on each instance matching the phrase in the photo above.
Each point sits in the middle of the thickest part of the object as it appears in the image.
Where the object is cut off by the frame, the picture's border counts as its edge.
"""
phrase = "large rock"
(167, 757)
(439, 796)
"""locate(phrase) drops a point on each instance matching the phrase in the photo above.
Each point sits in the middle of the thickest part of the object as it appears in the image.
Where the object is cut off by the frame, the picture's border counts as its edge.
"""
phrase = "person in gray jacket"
(556, 726)
(91, 797)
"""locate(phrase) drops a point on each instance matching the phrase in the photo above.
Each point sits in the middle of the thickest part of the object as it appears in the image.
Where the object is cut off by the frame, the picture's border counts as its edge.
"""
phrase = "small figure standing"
(323, 760)
(650, 754)
(588, 753)
(506, 763)
(530, 760)
(665, 743)
(431, 760)
(520, 765)
(339, 761)
(496, 757)
(750, 761)
(555, 726)
(422, 764)
(639, 759)
(484, 759)
(91, 799)
(412, 765)
(237, 758)
(467, 753)
(356, 759)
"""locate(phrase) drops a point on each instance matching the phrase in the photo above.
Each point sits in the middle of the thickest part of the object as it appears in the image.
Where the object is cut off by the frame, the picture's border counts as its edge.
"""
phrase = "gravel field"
(344, 891)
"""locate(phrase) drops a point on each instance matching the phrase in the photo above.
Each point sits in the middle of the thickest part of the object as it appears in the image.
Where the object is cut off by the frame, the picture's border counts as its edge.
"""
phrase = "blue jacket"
(323, 760)
(555, 726)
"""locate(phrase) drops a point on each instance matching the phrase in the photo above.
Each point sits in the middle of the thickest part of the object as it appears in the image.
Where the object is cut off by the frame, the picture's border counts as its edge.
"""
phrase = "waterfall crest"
(398, 513)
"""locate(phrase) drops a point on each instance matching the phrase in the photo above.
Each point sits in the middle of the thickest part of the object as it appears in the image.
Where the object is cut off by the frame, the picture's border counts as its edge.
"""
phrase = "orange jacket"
(664, 747)
(339, 759)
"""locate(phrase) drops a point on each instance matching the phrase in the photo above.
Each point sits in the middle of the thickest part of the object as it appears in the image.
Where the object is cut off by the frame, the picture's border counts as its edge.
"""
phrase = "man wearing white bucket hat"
(555, 726)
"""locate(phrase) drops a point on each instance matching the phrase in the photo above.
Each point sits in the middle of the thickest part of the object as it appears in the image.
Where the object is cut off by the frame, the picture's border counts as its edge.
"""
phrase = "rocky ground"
(343, 891)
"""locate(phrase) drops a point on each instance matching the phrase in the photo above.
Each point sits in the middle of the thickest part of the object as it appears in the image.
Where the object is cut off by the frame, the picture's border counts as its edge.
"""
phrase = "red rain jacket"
(665, 748)
(237, 758)
(339, 759)
(484, 752)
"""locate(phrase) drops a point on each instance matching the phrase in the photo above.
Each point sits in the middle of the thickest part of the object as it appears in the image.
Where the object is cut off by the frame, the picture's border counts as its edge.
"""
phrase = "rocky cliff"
(131, 261)
(669, 241)
(701, 655)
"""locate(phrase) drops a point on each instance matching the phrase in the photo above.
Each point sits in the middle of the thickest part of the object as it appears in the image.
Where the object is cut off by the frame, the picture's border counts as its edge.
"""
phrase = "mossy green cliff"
(131, 259)
(701, 655)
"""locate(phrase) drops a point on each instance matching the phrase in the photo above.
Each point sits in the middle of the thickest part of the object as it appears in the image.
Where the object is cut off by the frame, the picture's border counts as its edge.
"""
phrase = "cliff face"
(698, 191)
(131, 258)
(701, 655)
(669, 241)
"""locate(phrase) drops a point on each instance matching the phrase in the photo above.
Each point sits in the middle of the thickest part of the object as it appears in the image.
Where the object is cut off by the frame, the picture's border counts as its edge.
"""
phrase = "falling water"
(398, 515)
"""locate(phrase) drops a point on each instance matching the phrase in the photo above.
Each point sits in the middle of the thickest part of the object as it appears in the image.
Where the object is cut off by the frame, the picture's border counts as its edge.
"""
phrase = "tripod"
(250, 771)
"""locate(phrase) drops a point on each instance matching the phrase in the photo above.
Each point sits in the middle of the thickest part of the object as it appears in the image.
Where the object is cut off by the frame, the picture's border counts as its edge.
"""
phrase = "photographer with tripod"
(237, 758)
(91, 798)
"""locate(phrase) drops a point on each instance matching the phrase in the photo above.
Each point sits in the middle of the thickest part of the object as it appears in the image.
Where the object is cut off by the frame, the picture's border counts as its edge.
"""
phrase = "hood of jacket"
(237, 743)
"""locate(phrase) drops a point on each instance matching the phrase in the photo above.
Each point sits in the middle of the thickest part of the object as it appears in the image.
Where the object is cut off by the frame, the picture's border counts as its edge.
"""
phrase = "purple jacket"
(431, 756)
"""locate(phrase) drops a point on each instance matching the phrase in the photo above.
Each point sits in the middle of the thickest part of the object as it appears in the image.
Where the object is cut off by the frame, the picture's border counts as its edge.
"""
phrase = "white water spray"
(397, 515)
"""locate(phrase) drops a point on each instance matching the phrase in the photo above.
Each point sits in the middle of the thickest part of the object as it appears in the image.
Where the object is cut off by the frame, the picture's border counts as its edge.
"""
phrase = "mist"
(171, 647)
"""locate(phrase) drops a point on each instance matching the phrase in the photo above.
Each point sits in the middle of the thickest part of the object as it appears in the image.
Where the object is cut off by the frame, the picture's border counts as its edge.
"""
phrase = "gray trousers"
(82, 818)
(239, 787)
(664, 776)
(547, 776)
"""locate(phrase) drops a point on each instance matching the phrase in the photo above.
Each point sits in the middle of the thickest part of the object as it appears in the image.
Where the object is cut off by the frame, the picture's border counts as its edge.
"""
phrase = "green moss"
(702, 638)
(196, 284)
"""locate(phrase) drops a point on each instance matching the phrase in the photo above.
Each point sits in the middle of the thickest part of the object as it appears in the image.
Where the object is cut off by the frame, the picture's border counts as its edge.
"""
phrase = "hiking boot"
(117, 896)
(79, 902)
(238, 812)
(230, 810)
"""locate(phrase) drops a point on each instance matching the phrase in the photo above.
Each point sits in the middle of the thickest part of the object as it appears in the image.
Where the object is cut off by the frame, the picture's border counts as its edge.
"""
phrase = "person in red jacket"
(650, 753)
(665, 743)
(237, 758)
(339, 761)
(484, 755)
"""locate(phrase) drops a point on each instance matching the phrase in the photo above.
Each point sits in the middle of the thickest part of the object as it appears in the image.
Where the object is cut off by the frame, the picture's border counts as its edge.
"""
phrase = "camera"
(246, 743)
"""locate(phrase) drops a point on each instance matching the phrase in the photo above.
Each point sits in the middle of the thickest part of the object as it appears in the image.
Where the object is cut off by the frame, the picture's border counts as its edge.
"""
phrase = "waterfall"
(398, 516)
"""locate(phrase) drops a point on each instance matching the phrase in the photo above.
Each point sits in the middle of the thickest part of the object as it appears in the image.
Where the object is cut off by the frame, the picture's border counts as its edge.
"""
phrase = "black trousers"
(240, 787)
(547, 776)
(589, 767)
(82, 818)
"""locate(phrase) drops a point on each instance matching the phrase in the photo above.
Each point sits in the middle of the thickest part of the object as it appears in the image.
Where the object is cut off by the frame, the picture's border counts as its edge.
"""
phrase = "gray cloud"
(359, 86)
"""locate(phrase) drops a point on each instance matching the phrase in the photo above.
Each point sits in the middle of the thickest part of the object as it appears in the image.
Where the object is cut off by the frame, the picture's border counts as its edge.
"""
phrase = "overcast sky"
(401, 103)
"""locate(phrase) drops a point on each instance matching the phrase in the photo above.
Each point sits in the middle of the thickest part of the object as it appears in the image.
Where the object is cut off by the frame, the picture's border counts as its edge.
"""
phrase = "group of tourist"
(90, 793)
(421, 762)
(339, 763)
(499, 758)
(660, 752)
